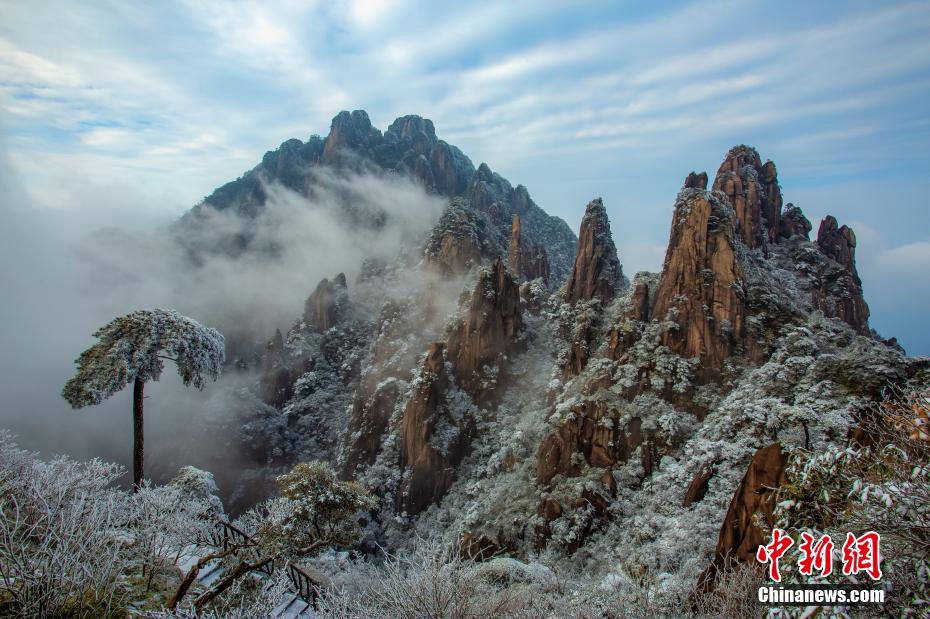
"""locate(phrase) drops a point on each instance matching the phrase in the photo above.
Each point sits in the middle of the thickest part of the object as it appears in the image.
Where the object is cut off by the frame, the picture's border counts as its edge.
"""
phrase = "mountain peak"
(597, 271)
(349, 130)
(407, 127)
(754, 193)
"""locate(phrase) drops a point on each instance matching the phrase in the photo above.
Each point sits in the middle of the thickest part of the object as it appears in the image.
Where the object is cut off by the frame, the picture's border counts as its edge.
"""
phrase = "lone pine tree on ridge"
(133, 349)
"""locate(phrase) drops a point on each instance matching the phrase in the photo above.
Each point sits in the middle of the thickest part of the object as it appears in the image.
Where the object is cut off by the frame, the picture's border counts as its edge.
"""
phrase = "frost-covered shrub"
(314, 510)
(164, 521)
(880, 482)
(434, 580)
(61, 552)
(734, 595)
(201, 486)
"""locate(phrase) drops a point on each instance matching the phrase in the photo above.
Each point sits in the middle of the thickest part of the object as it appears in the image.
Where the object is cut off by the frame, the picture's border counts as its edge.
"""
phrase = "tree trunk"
(241, 570)
(137, 440)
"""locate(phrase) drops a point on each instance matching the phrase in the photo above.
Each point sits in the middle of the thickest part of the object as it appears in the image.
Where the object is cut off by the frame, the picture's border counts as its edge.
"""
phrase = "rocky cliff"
(478, 345)
(597, 271)
(841, 294)
(508, 389)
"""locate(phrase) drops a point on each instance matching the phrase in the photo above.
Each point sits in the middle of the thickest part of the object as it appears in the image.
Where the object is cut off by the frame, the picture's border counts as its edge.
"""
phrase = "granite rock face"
(322, 308)
(597, 271)
(702, 285)
(478, 344)
(846, 301)
(752, 503)
(526, 263)
(427, 468)
(588, 433)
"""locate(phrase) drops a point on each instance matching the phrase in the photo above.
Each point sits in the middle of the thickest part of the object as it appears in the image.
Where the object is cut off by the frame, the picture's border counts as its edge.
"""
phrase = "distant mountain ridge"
(408, 147)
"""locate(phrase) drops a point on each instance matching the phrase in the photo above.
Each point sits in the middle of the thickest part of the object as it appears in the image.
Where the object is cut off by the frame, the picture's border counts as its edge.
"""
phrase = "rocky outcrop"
(434, 440)
(579, 345)
(526, 263)
(371, 413)
(276, 385)
(753, 191)
(483, 547)
(842, 291)
(588, 512)
(593, 432)
(381, 388)
(548, 510)
(478, 343)
(323, 307)
(702, 288)
(696, 181)
(752, 503)
(349, 131)
(794, 224)
(597, 271)
(698, 487)
(459, 241)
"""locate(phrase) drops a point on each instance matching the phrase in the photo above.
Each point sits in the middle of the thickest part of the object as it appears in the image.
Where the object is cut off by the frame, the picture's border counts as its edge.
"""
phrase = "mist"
(66, 272)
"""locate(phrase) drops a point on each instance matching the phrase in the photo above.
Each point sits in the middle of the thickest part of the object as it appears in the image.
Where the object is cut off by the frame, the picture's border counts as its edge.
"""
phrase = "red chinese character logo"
(860, 554)
(819, 555)
(772, 552)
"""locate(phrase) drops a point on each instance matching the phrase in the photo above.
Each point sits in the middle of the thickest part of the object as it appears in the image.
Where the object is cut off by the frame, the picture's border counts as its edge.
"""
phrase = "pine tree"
(133, 349)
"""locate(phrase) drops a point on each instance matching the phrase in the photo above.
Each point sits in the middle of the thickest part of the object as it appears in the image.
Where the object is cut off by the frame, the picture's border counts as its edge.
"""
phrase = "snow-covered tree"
(133, 349)
(314, 510)
(60, 551)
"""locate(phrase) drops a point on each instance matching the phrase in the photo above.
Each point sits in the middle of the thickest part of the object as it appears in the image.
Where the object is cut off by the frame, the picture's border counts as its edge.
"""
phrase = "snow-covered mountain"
(501, 382)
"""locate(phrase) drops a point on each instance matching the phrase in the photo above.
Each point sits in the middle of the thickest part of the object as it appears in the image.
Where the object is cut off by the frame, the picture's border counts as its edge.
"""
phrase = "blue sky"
(133, 109)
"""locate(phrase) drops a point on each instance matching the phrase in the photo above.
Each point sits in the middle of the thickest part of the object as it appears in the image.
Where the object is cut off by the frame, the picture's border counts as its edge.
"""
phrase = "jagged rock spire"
(491, 324)
(526, 263)
(321, 309)
(839, 243)
(702, 281)
(429, 471)
(753, 191)
(597, 271)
